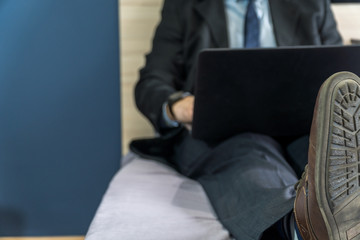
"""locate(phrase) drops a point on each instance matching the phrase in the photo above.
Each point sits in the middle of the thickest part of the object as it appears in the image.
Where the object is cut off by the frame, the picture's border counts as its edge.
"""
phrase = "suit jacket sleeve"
(164, 66)
(328, 30)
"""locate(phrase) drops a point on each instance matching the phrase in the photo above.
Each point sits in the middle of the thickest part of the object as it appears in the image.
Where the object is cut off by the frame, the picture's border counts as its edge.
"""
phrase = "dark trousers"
(249, 178)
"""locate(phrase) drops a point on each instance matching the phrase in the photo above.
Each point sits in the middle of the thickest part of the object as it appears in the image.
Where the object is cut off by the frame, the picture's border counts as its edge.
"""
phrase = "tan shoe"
(327, 204)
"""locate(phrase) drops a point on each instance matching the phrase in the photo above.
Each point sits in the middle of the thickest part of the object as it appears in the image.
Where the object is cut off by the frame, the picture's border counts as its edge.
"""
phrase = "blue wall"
(59, 113)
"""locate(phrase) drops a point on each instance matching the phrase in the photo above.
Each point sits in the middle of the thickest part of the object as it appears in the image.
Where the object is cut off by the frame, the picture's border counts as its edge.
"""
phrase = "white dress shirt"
(235, 15)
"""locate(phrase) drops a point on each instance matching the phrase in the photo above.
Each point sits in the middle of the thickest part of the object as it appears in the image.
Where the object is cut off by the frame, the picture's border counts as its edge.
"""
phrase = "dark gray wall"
(59, 113)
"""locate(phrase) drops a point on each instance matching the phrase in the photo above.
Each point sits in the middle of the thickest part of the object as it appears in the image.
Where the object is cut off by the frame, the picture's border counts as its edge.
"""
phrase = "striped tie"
(252, 28)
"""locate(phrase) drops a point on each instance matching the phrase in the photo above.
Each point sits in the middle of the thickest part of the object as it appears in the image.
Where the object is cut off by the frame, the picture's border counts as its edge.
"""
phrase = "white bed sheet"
(149, 200)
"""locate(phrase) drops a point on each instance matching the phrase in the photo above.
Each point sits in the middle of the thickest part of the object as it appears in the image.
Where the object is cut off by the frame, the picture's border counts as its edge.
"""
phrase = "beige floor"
(43, 238)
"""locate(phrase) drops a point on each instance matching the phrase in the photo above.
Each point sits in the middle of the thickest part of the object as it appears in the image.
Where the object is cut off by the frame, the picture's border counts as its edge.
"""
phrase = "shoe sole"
(337, 165)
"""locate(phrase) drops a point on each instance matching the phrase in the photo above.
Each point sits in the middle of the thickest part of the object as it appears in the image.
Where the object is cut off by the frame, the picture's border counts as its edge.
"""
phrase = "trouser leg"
(249, 183)
(297, 154)
(189, 154)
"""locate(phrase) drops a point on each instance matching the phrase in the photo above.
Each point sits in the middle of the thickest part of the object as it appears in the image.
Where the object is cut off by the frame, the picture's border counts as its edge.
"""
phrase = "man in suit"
(188, 26)
(247, 179)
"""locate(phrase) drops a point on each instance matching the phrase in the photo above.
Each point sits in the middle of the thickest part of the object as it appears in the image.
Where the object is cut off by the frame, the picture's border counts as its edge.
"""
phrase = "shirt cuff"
(168, 122)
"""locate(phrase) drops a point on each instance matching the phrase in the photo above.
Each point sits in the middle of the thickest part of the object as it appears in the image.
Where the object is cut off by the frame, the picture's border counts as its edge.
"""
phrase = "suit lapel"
(213, 13)
(285, 21)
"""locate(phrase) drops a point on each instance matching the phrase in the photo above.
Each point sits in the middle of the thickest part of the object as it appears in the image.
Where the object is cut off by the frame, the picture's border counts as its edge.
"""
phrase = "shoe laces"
(302, 179)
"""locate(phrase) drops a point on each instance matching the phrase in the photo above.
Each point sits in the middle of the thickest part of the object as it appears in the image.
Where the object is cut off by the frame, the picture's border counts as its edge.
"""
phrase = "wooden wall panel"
(138, 20)
(348, 19)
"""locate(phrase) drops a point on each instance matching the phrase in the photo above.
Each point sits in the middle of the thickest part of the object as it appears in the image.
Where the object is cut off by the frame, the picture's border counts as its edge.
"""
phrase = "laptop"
(269, 91)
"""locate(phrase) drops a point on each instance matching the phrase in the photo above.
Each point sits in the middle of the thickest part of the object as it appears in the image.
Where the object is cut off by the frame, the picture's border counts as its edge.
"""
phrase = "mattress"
(149, 200)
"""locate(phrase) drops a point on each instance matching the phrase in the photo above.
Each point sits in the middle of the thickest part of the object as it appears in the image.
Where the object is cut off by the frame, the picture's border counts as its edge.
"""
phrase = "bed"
(149, 200)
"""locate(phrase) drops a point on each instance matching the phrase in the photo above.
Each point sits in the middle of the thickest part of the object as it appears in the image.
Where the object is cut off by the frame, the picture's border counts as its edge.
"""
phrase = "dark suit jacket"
(188, 26)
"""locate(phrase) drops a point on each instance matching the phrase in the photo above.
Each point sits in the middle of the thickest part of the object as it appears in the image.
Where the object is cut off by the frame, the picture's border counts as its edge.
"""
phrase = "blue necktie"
(252, 28)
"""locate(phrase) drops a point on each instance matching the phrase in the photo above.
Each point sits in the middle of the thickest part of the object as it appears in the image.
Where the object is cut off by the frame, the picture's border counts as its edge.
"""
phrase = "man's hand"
(183, 110)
